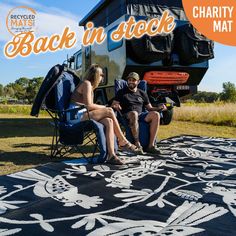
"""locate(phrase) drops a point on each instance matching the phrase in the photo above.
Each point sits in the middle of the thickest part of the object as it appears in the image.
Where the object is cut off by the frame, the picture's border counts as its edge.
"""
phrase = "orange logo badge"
(215, 19)
(21, 20)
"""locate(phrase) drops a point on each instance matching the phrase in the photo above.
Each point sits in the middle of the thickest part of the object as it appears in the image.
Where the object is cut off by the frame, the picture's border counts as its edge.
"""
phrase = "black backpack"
(191, 46)
(149, 49)
(46, 87)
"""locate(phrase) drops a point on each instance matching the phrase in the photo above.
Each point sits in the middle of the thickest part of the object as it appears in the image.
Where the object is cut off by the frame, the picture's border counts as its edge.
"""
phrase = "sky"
(53, 16)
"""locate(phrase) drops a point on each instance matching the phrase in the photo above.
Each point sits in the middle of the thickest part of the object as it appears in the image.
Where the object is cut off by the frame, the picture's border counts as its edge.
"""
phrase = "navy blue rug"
(189, 189)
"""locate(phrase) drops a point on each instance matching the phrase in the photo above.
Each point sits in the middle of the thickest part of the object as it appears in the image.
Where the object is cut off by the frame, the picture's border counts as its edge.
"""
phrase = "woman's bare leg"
(108, 123)
(112, 158)
(107, 112)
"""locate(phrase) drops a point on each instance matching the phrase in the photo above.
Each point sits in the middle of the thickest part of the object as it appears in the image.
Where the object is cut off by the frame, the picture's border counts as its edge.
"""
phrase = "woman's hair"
(92, 75)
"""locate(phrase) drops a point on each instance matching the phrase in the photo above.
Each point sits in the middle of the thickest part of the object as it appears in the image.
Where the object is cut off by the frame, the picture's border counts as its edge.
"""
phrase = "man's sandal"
(114, 160)
(128, 147)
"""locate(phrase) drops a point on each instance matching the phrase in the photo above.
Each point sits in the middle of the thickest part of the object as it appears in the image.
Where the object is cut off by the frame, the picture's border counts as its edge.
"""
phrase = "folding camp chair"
(85, 137)
(144, 132)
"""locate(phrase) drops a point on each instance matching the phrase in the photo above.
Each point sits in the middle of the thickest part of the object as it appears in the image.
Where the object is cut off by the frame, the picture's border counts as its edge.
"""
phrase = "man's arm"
(116, 105)
(148, 105)
(160, 107)
(117, 100)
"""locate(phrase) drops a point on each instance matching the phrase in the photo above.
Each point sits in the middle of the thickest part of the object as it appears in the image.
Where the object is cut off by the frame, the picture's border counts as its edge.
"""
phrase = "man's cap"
(133, 75)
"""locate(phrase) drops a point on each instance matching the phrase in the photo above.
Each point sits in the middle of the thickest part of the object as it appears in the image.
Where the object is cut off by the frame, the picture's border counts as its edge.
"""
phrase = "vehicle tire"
(167, 116)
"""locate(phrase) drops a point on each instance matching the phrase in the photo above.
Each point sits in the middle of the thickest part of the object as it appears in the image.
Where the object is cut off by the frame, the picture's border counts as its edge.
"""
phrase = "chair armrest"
(76, 108)
(73, 110)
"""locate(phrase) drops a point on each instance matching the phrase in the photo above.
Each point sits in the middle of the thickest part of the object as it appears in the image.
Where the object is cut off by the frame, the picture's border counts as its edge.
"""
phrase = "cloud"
(48, 20)
(4, 34)
(48, 24)
(28, 3)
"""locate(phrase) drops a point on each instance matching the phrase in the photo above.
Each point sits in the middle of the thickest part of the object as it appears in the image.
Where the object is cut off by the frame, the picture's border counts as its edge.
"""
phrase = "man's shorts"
(141, 116)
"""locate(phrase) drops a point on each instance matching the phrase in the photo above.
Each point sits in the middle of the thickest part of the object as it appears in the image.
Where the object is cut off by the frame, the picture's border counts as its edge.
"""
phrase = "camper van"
(172, 64)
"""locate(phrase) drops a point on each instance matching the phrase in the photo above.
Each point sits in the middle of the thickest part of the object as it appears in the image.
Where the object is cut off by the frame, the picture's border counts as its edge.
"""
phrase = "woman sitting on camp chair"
(84, 94)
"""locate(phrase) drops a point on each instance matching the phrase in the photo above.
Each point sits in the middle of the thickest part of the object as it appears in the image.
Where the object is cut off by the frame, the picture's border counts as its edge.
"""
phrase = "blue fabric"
(142, 116)
(120, 84)
(45, 89)
(64, 89)
(75, 114)
(144, 132)
(73, 134)
(101, 142)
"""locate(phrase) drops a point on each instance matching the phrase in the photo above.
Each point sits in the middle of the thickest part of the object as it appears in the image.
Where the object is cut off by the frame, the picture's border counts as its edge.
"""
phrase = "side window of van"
(105, 78)
(87, 57)
(112, 45)
(78, 61)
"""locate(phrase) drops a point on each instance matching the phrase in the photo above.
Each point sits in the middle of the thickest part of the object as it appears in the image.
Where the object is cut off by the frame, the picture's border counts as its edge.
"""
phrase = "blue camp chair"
(144, 132)
(86, 137)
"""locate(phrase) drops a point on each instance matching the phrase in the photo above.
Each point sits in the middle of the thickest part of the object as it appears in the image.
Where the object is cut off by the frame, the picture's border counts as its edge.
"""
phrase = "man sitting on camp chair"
(130, 102)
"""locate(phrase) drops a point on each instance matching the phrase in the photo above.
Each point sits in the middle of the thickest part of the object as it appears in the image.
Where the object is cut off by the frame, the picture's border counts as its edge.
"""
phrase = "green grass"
(209, 113)
(17, 110)
(216, 113)
(200, 129)
(25, 142)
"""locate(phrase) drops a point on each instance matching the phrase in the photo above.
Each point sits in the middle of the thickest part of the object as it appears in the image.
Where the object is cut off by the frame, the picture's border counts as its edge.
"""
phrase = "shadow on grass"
(87, 150)
(39, 156)
(24, 158)
(30, 145)
(18, 127)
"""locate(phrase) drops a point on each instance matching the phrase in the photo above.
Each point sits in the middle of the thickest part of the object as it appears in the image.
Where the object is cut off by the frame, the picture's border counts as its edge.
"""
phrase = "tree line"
(227, 95)
(25, 90)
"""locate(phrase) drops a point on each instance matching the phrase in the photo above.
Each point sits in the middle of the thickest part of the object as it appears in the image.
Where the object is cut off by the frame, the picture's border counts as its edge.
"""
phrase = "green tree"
(208, 97)
(9, 90)
(20, 87)
(229, 92)
(1, 90)
(33, 88)
(22, 82)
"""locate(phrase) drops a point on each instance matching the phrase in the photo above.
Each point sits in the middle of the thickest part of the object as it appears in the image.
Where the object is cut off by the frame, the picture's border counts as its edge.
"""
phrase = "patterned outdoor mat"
(190, 188)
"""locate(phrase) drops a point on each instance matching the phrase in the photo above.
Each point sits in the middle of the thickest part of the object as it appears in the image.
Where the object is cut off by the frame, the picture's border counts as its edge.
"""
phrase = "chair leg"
(56, 150)
(54, 145)
(91, 137)
(60, 150)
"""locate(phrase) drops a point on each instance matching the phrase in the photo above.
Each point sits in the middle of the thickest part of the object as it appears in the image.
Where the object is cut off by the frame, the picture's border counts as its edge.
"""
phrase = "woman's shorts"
(75, 116)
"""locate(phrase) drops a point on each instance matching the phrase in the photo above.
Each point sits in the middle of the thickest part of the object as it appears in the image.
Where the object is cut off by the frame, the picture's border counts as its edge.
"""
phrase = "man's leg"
(153, 118)
(132, 118)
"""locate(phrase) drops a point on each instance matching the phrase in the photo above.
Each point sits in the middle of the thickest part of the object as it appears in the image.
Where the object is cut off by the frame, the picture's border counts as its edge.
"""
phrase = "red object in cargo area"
(166, 77)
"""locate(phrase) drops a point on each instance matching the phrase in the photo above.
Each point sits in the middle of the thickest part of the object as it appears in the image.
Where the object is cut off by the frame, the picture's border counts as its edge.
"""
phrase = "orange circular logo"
(21, 19)
(215, 19)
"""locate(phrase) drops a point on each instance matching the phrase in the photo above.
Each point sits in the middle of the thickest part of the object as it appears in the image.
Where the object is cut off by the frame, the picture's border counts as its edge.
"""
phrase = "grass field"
(209, 113)
(25, 141)
(216, 113)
